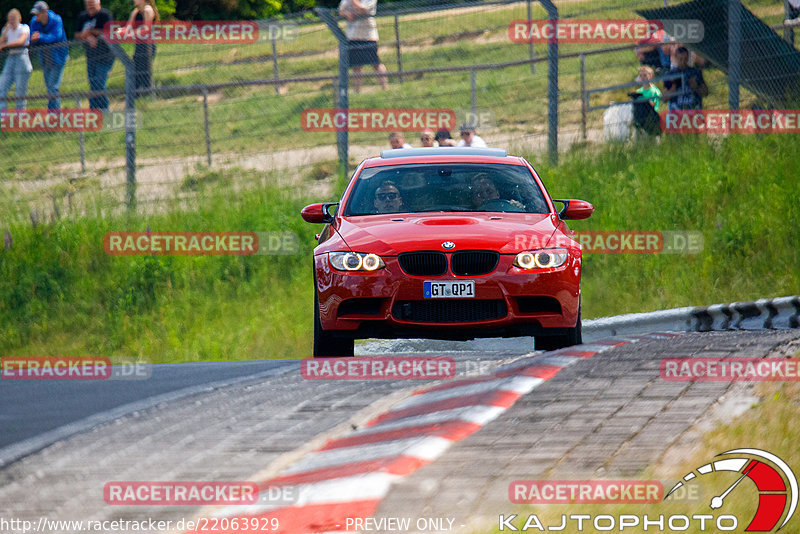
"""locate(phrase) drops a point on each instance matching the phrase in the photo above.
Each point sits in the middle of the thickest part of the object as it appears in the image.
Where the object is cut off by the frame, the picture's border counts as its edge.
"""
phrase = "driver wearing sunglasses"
(387, 198)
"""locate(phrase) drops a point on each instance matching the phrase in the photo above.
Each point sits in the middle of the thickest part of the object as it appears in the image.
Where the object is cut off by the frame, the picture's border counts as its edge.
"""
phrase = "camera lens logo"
(771, 476)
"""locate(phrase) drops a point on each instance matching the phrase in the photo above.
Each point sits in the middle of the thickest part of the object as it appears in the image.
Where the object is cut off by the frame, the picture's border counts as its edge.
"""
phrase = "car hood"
(506, 233)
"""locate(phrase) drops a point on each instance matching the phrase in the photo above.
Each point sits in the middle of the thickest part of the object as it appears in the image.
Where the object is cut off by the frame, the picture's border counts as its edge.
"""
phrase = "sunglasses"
(386, 196)
(466, 134)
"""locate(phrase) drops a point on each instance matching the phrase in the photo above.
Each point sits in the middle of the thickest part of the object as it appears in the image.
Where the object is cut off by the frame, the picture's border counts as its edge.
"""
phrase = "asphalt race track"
(603, 412)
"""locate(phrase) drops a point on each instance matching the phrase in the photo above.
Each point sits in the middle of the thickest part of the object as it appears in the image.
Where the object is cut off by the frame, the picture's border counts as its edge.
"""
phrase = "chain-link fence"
(240, 104)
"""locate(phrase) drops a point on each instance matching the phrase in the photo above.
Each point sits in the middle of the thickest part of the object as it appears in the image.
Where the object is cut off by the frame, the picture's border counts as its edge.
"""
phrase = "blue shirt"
(52, 32)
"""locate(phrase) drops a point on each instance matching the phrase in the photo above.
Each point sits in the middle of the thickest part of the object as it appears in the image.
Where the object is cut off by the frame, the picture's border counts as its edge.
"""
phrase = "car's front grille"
(449, 311)
(423, 263)
(474, 262)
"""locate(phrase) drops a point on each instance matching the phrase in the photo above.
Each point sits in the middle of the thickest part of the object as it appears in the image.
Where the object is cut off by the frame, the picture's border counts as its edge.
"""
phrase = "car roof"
(401, 156)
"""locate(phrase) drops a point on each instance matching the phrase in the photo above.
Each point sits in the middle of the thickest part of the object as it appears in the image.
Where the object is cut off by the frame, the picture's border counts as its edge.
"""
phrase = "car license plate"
(450, 289)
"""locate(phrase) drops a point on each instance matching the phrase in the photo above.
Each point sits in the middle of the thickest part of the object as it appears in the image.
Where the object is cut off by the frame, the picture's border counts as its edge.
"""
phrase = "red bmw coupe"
(446, 243)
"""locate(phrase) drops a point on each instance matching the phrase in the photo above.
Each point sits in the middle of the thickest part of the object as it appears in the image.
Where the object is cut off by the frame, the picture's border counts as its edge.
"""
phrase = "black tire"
(326, 343)
(573, 337)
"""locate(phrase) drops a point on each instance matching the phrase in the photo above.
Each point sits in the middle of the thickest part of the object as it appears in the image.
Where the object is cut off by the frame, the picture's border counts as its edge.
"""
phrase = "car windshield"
(456, 187)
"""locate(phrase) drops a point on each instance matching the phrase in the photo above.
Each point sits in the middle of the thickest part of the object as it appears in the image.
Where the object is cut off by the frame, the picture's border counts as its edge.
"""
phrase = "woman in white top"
(17, 71)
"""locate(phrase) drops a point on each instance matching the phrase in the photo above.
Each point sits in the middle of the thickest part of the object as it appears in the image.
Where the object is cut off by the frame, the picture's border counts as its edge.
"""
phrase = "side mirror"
(318, 213)
(575, 209)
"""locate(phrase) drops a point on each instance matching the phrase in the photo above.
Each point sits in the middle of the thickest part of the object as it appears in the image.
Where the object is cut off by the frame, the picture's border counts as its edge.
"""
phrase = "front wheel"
(326, 344)
(572, 337)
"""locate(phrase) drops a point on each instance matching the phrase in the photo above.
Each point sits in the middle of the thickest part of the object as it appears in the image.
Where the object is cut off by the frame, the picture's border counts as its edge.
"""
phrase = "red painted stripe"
(609, 342)
(311, 518)
(452, 430)
(395, 465)
(489, 398)
(545, 372)
(575, 353)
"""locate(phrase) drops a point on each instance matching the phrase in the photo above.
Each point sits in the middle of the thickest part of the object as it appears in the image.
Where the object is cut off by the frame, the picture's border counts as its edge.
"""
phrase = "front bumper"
(389, 303)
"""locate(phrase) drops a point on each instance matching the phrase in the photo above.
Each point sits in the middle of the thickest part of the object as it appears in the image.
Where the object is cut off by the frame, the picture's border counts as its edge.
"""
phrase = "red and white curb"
(348, 476)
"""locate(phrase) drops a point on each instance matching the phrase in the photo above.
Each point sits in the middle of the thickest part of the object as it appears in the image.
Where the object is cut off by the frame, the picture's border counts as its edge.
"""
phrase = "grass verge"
(60, 294)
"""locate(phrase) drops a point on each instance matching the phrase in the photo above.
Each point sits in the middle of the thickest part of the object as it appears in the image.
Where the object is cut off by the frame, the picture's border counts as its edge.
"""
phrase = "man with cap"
(47, 32)
(470, 138)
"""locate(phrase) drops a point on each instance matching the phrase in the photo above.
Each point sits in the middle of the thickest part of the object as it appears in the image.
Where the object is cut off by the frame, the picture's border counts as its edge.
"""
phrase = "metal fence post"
(397, 46)
(274, 69)
(583, 95)
(788, 33)
(81, 140)
(342, 101)
(531, 51)
(734, 52)
(206, 125)
(552, 89)
(473, 93)
(130, 125)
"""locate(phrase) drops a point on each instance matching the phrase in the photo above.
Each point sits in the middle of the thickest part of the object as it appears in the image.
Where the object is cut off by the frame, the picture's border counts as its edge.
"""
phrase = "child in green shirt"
(648, 90)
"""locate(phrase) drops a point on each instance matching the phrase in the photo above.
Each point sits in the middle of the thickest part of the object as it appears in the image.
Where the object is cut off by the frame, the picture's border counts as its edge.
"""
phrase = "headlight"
(541, 259)
(355, 261)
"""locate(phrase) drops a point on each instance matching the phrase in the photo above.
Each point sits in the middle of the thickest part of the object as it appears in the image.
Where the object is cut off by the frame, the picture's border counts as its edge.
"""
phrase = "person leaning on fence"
(362, 38)
(677, 96)
(99, 58)
(15, 38)
(470, 138)
(144, 14)
(427, 138)
(443, 138)
(794, 13)
(47, 32)
(651, 52)
(398, 140)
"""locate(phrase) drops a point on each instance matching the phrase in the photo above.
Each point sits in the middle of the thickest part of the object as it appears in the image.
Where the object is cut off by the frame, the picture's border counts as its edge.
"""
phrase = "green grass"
(61, 294)
(723, 188)
(769, 425)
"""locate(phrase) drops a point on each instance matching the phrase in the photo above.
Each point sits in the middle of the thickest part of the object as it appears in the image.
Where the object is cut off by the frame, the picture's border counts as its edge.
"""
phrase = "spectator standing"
(793, 13)
(144, 14)
(398, 140)
(47, 31)
(470, 138)
(427, 138)
(651, 52)
(99, 58)
(362, 37)
(444, 139)
(679, 97)
(15, 37)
